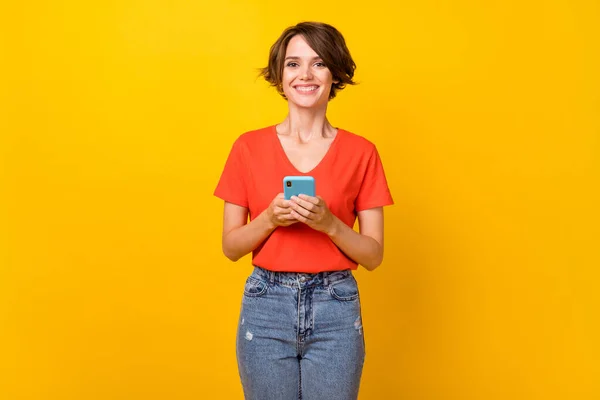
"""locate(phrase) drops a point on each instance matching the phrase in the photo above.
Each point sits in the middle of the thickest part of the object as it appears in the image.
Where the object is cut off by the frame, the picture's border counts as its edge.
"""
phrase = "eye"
(321, 65)
(292, 64)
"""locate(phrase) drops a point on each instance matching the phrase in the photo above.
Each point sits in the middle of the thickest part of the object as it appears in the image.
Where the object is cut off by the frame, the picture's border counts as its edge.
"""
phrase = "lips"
(306, 89)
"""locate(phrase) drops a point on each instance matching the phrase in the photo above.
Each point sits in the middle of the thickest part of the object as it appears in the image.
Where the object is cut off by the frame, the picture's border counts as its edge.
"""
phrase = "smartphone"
(295, 185)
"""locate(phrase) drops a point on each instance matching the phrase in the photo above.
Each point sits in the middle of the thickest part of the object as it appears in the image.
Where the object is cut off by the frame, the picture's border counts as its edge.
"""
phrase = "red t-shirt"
(349, 178)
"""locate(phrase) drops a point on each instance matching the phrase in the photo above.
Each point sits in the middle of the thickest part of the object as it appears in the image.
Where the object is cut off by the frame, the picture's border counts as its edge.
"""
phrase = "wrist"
(334, 227)
(267, 221)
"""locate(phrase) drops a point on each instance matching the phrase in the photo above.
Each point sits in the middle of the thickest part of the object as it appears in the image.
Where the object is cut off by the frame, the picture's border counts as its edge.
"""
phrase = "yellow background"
(116, 118)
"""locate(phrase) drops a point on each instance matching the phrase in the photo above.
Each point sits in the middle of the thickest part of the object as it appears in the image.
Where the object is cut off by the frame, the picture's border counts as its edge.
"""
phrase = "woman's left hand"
(313, 211)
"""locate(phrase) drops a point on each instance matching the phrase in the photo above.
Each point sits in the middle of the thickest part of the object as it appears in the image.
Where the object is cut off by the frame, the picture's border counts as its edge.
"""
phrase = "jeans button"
(302, 278)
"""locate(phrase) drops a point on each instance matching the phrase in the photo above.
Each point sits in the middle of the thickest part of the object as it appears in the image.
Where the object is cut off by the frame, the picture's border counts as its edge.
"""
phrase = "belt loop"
(272, 277)
(325, 278)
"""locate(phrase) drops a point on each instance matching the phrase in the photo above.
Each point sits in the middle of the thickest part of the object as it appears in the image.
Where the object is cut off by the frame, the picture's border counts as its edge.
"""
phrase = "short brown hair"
(326, 41)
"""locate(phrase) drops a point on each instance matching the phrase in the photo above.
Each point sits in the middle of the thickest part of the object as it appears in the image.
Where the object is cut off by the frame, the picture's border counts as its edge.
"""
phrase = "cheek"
(327, 77)
(287, 75)
(327, 80)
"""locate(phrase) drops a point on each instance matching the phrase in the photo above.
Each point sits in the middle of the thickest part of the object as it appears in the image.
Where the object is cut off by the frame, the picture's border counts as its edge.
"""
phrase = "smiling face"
(306, 80)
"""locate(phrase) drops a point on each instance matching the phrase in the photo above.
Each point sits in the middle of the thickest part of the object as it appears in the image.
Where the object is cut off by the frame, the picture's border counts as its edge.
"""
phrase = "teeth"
(306, 89)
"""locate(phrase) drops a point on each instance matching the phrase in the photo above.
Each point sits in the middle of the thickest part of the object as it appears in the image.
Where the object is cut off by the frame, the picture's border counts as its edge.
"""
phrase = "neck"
(306, 123)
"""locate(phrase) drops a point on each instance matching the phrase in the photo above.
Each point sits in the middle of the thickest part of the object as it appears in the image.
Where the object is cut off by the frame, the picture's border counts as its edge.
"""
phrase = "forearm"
(243, 240)
(363, 249)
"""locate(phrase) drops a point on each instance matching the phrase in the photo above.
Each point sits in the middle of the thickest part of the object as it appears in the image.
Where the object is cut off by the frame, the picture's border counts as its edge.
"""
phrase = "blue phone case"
(295, 185)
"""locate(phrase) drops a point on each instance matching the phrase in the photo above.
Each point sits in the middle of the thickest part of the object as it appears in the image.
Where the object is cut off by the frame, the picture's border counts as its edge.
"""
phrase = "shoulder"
(357, 143)
(256, 136)
(253, 142)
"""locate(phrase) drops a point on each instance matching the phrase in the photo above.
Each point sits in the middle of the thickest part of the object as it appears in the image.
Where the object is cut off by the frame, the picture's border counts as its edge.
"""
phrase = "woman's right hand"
(279, 212)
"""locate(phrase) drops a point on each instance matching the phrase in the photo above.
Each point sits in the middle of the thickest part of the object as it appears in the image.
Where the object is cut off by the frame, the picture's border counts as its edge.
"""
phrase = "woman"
(300, 332)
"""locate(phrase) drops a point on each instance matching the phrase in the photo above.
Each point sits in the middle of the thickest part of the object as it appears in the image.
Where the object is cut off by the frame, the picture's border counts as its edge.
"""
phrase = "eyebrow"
(297, 58)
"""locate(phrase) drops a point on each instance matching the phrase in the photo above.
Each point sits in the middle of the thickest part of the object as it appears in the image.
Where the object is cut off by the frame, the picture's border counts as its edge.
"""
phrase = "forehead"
(297, 47)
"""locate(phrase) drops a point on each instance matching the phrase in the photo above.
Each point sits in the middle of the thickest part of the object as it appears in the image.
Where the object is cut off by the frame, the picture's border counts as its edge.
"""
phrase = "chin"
(307, 104)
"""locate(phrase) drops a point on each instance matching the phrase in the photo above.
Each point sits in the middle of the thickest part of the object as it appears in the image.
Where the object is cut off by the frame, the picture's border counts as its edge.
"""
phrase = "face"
(306, 79)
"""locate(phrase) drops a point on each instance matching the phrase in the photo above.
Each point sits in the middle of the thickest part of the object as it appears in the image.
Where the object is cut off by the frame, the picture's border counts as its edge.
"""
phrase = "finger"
(301, 210)
(288, 214)
(299, 217)
(286, 219)
(303, 203)
(282, 210)
(310, 199)
(282, 203)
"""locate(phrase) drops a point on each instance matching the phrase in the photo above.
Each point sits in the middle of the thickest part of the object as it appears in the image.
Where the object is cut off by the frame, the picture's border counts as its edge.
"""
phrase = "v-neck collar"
(285, 157)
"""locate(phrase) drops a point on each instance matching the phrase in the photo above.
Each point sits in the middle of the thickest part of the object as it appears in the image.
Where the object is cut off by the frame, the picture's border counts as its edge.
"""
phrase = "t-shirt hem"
(306, 271)
(238, 202)
(368, 206)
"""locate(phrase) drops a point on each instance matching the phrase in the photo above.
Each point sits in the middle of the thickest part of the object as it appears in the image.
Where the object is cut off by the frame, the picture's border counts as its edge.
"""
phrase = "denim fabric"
(300, 336)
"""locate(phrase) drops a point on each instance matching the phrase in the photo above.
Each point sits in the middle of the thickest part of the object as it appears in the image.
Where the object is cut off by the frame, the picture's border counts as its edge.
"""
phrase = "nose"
(306, 73)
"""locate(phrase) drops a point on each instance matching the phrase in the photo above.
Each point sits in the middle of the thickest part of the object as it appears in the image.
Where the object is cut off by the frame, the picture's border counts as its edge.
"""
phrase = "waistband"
(295, 279)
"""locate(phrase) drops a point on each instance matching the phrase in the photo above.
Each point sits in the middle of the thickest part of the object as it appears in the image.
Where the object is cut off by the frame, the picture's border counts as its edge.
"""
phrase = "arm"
(366, 247)
(240, 237)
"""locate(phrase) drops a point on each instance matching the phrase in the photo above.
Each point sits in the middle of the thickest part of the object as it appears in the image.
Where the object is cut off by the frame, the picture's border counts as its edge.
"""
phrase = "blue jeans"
(300, 336)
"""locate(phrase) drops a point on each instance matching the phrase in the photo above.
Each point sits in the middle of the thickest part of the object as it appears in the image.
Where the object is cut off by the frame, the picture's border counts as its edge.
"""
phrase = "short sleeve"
(374, 190)
(232, 184)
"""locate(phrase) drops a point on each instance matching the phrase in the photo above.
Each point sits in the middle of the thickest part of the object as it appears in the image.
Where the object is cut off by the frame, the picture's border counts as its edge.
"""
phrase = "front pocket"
(255, 287)
(344, 290)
